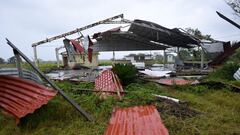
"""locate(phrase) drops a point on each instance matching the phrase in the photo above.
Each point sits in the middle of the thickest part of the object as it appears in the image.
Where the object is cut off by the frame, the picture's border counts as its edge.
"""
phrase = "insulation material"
(20, 97)
(137, 120)
(156, 73)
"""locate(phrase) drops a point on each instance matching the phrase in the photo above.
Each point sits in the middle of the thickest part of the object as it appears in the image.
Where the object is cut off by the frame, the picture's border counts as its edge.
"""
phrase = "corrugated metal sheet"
(20, 97)
(138, 120)
(26, 74)
(175, 81)
(155, 32)
(237, 74)
(108, 81)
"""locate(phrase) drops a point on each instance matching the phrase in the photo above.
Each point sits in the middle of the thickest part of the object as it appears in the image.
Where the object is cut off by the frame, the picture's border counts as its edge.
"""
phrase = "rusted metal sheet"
(20, 97)
(176, 81)
(137, 120)
(108, 81)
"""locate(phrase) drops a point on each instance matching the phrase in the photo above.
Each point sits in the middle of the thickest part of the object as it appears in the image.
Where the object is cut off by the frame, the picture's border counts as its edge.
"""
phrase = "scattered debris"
(18, 53)
(176, 109)
(137, 120)
(222, 57)
(237, 74)
(155, 74)
(166, 98)
(104, 67)
(20, 97)
(175, 81)
(219, 84)
(108, 81)
(86, 75)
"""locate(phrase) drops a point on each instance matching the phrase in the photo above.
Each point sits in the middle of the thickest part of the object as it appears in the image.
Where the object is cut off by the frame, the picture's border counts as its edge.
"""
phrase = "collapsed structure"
(141, 35)
(21, 97)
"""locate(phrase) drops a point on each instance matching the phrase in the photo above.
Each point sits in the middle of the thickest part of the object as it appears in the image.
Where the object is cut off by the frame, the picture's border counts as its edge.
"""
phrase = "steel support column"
(202, 58)
(35, 55)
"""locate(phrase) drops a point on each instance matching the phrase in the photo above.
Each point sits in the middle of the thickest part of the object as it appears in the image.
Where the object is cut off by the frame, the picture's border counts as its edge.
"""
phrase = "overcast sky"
(28, 21)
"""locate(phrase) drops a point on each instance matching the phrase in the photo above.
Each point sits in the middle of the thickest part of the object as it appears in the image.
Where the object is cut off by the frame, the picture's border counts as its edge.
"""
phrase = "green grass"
(218, 111)
(104, 62)
(45, 67)
(211, 109)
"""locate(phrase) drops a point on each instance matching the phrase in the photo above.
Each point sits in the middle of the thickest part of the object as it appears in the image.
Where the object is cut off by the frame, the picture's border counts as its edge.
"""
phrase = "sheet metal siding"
(20, 97)
(138, 120)
(237, 74)
(26, 74)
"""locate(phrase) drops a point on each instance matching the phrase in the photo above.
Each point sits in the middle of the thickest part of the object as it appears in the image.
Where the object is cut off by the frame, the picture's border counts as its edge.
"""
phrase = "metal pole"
(35, 55)
(113, 56)
(18, 63)
(228, 20)
(57, 57)
(77, 30)
(72, 102)
(178, 53)
(202, 58)
(164, 59)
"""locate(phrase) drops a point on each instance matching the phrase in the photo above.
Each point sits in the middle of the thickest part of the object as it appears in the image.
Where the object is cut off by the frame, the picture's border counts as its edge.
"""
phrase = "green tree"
(11, 60)
(235, 5)
(127, 73)
(185, 54)
(2, 61)
(198, 34)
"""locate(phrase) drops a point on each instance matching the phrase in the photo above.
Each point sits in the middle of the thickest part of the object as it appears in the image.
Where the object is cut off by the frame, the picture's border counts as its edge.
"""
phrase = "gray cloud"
(27, 21)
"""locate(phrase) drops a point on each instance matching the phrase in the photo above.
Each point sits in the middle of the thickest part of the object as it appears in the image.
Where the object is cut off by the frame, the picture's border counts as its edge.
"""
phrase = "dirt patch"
(179, 110)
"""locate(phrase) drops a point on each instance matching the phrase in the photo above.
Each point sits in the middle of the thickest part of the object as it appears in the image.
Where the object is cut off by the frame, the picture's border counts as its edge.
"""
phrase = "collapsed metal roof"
(155, 32)
(142, 35)
(125, 41)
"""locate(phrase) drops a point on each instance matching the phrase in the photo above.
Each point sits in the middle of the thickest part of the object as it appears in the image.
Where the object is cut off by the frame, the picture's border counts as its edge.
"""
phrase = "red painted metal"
(77, 46)
(20, 97)
(108, 81)
(176, 81)
(90, 50)
(137, 120)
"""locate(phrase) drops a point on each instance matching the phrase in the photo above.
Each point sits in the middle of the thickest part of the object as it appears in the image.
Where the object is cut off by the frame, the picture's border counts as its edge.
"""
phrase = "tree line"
(10, 60)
